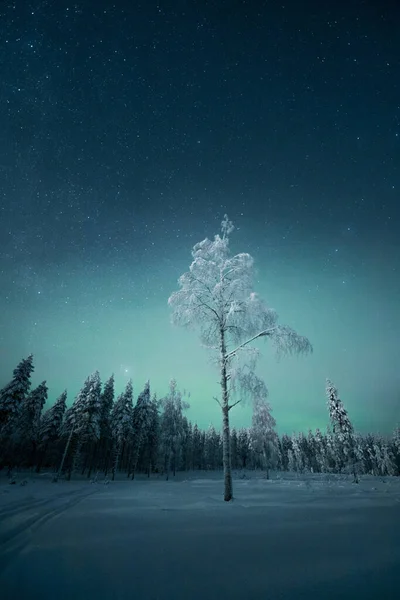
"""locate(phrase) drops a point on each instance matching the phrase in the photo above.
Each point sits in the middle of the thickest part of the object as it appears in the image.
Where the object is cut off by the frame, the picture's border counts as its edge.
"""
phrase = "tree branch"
(261, 334)
(202, 303)
(216, 400)
(234, 404)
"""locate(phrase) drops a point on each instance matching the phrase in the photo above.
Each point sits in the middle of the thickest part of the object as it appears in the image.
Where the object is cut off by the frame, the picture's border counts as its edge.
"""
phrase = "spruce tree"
(234, 448)
(152, 441)
(29, 422)
(121, 425)
(12, 395)
(140, 426)
(50, 427)
(342, 429)
(171, 427)
(75, 426)
(197, 448)
(262, 433)
(105, 443)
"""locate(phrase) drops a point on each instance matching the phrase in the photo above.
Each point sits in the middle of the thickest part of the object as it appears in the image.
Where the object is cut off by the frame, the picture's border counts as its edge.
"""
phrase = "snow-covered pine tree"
(243, 447)
(197, 448)
(187, 445)
(29, 423)
(140, 426)
(297, 458)
(286, 446)
(311, 453)
(12, 395)
(152, 437)
(73, 428)
(50, 427)
(171, 427)
(292, 465)
(212, 448)
(388, 459)
(216, 294)
(51, 422)
(384, 459)
(396, 448)
(91, 419)
(121, 424)
(262, 433)
(342, 429)
(359, 452)
(105, 442)
(234, 448)
(320, 451)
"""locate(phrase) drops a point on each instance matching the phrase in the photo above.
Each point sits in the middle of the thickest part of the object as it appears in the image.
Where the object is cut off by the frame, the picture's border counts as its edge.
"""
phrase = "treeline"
(99, 433)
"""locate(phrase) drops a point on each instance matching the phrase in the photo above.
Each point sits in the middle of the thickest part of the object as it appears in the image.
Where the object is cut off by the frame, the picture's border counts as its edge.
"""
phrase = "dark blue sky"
(127, 130)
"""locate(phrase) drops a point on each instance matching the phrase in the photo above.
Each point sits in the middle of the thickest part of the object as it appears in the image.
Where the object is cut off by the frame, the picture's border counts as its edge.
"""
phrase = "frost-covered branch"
(260, 334)
(234, 404)
(216, 295)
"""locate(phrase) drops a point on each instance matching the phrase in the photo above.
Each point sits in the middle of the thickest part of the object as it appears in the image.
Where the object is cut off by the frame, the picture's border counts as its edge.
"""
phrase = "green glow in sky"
(118, 321)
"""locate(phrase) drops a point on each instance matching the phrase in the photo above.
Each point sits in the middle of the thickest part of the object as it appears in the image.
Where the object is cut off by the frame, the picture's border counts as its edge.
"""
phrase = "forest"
(103, 436)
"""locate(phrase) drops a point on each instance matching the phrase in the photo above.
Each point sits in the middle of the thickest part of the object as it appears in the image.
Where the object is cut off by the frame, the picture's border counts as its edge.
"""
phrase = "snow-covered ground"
(305, 537)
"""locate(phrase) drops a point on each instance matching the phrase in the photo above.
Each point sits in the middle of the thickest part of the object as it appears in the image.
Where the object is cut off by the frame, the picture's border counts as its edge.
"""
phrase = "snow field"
(310, 536)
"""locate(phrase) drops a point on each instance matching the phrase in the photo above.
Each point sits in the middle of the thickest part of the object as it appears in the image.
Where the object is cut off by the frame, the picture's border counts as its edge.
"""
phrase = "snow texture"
(290, 537)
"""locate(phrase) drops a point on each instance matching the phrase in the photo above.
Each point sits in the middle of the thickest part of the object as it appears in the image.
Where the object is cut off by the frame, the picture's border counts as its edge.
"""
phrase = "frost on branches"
(262, 433)
(216, 296)
(13, 394)
(343, 430)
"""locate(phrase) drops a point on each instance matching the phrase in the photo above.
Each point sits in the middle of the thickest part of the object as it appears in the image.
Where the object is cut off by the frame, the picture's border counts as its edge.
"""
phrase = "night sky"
(128, 129)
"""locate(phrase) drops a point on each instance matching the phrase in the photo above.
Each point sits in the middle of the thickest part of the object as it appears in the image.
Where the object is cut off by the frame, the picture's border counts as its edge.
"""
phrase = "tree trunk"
(64, 454)
(266, 462)
(226, 441)
(116, 457)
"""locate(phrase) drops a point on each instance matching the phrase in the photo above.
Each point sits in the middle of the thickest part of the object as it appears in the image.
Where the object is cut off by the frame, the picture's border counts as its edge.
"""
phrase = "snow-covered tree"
(50, 426)
(311, 460)
(262, 433)
(149, 450)
(198, 447)
(212, 448)
(121, 424)
(216, 295)
(29, 421)
(171, 426)
(187, 444)
(106, 404)
(12, 395)
(91, 410)
(296, 458)
(81, 424)
(342, 429)
(243, 447)
(140, 426)
(396, 448)
(320, 451)
(383, 457)
(234, 448)
(285, 448)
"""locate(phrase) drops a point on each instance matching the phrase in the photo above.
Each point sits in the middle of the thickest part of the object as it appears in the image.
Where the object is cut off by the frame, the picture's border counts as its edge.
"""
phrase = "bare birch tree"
(216, 295)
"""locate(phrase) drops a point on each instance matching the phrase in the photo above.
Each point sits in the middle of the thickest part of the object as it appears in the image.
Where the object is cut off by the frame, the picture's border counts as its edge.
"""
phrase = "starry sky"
(128, 129)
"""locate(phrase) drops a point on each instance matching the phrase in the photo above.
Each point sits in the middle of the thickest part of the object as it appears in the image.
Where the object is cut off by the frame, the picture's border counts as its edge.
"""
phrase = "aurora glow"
(120, 154)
